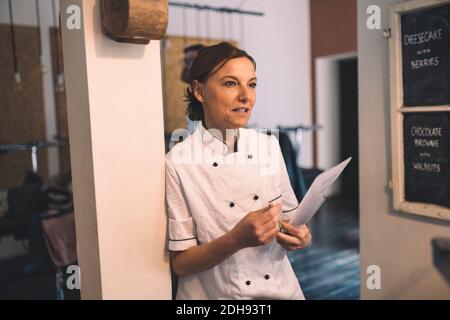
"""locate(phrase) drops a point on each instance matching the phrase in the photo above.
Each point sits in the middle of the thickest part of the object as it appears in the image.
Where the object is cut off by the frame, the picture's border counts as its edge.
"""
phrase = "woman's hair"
(208, 61)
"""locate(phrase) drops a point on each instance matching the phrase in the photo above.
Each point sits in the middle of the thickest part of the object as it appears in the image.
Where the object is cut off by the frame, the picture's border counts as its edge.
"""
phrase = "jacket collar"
(213, 143)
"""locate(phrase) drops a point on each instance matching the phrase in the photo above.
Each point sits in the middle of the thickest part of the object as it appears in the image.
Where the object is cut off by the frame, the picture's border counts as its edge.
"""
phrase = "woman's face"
(229, 95)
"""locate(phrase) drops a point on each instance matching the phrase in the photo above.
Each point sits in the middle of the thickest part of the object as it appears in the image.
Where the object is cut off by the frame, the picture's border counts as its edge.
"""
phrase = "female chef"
(228, 191)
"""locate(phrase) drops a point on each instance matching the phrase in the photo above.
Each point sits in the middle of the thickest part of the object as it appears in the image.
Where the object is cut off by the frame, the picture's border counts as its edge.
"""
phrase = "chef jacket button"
(215, 164)
(248, 282)
(231, 204)
(256, 197)
(250, 156)
(267, 277)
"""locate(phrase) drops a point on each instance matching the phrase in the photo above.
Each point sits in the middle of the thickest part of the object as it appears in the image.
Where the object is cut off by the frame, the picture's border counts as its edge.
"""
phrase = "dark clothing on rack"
(29, 198)
(290, 159)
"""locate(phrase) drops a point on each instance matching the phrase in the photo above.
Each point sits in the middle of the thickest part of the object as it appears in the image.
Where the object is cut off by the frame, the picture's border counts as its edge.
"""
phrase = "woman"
(228, 191)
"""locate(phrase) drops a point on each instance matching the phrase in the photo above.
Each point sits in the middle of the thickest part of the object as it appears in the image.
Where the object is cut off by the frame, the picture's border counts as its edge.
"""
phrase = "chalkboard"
(426, 56)
(426, 157)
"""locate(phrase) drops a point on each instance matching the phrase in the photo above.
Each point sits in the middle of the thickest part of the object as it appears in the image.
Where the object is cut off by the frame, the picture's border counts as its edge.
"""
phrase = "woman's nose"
(244, 95)
(243, 99)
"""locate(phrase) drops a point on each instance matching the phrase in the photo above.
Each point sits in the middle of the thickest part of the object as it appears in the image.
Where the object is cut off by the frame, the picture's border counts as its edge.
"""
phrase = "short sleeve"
(181, 227)
(289, 200)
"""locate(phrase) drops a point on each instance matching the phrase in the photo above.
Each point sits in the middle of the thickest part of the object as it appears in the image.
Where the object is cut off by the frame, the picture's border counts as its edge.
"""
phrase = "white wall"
(280, 44)
(400, 244)
(328, 116)
(24, 12)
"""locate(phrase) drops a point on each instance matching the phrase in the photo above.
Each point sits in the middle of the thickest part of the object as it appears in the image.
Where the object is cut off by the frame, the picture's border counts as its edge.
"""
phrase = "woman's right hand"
(257, 228)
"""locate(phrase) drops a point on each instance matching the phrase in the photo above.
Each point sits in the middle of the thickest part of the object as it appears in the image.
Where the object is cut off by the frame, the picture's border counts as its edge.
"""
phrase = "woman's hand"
(296, 238)
(257, 228)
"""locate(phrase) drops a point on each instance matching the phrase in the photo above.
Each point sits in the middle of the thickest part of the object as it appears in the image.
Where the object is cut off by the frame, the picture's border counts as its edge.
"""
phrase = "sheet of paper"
(313, 200)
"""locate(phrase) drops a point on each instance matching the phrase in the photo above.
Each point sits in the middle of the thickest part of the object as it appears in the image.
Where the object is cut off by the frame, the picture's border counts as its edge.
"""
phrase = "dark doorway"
(348, 74)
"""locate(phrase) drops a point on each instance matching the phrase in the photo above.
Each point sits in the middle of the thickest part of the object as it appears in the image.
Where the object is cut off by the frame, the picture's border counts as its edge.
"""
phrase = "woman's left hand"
(296, 238)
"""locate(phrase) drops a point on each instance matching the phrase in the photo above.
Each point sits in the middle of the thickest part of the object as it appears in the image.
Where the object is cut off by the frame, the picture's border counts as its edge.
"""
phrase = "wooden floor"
(329, 267)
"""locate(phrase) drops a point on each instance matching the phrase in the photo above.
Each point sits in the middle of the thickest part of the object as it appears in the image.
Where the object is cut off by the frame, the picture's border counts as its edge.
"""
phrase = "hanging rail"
(217, 9)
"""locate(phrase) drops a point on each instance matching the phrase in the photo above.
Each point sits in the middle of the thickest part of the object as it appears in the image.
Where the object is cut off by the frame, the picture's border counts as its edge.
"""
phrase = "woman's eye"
(253, 85)
(230, 83)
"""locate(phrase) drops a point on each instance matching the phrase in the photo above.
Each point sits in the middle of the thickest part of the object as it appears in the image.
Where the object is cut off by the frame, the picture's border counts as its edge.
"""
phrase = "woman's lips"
(241, 110)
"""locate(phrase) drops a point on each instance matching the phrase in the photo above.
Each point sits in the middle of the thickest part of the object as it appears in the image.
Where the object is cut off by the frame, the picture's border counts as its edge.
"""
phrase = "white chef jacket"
(208, 191)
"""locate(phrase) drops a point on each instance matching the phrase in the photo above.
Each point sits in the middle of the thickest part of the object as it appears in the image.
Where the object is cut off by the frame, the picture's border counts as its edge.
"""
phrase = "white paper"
(313, 200)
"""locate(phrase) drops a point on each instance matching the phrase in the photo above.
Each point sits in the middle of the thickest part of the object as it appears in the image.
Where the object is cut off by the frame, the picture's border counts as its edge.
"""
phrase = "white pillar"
(114, 100)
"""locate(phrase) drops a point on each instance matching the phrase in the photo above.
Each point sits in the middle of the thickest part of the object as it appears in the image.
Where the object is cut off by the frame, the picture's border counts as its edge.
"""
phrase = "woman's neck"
(228, 136)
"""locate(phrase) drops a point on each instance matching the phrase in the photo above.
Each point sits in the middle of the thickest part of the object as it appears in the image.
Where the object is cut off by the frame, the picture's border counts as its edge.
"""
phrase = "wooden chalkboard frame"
(398, 110)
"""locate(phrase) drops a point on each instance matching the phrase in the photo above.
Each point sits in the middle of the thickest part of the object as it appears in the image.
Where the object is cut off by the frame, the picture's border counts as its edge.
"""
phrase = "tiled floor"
(329, 267)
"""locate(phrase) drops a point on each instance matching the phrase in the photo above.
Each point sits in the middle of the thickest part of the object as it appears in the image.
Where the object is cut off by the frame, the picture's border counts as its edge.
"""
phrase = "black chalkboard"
(426, 156)
(426, 55)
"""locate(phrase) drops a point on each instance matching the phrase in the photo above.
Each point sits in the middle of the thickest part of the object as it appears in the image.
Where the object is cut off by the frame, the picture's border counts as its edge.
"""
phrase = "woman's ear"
(197, 89)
